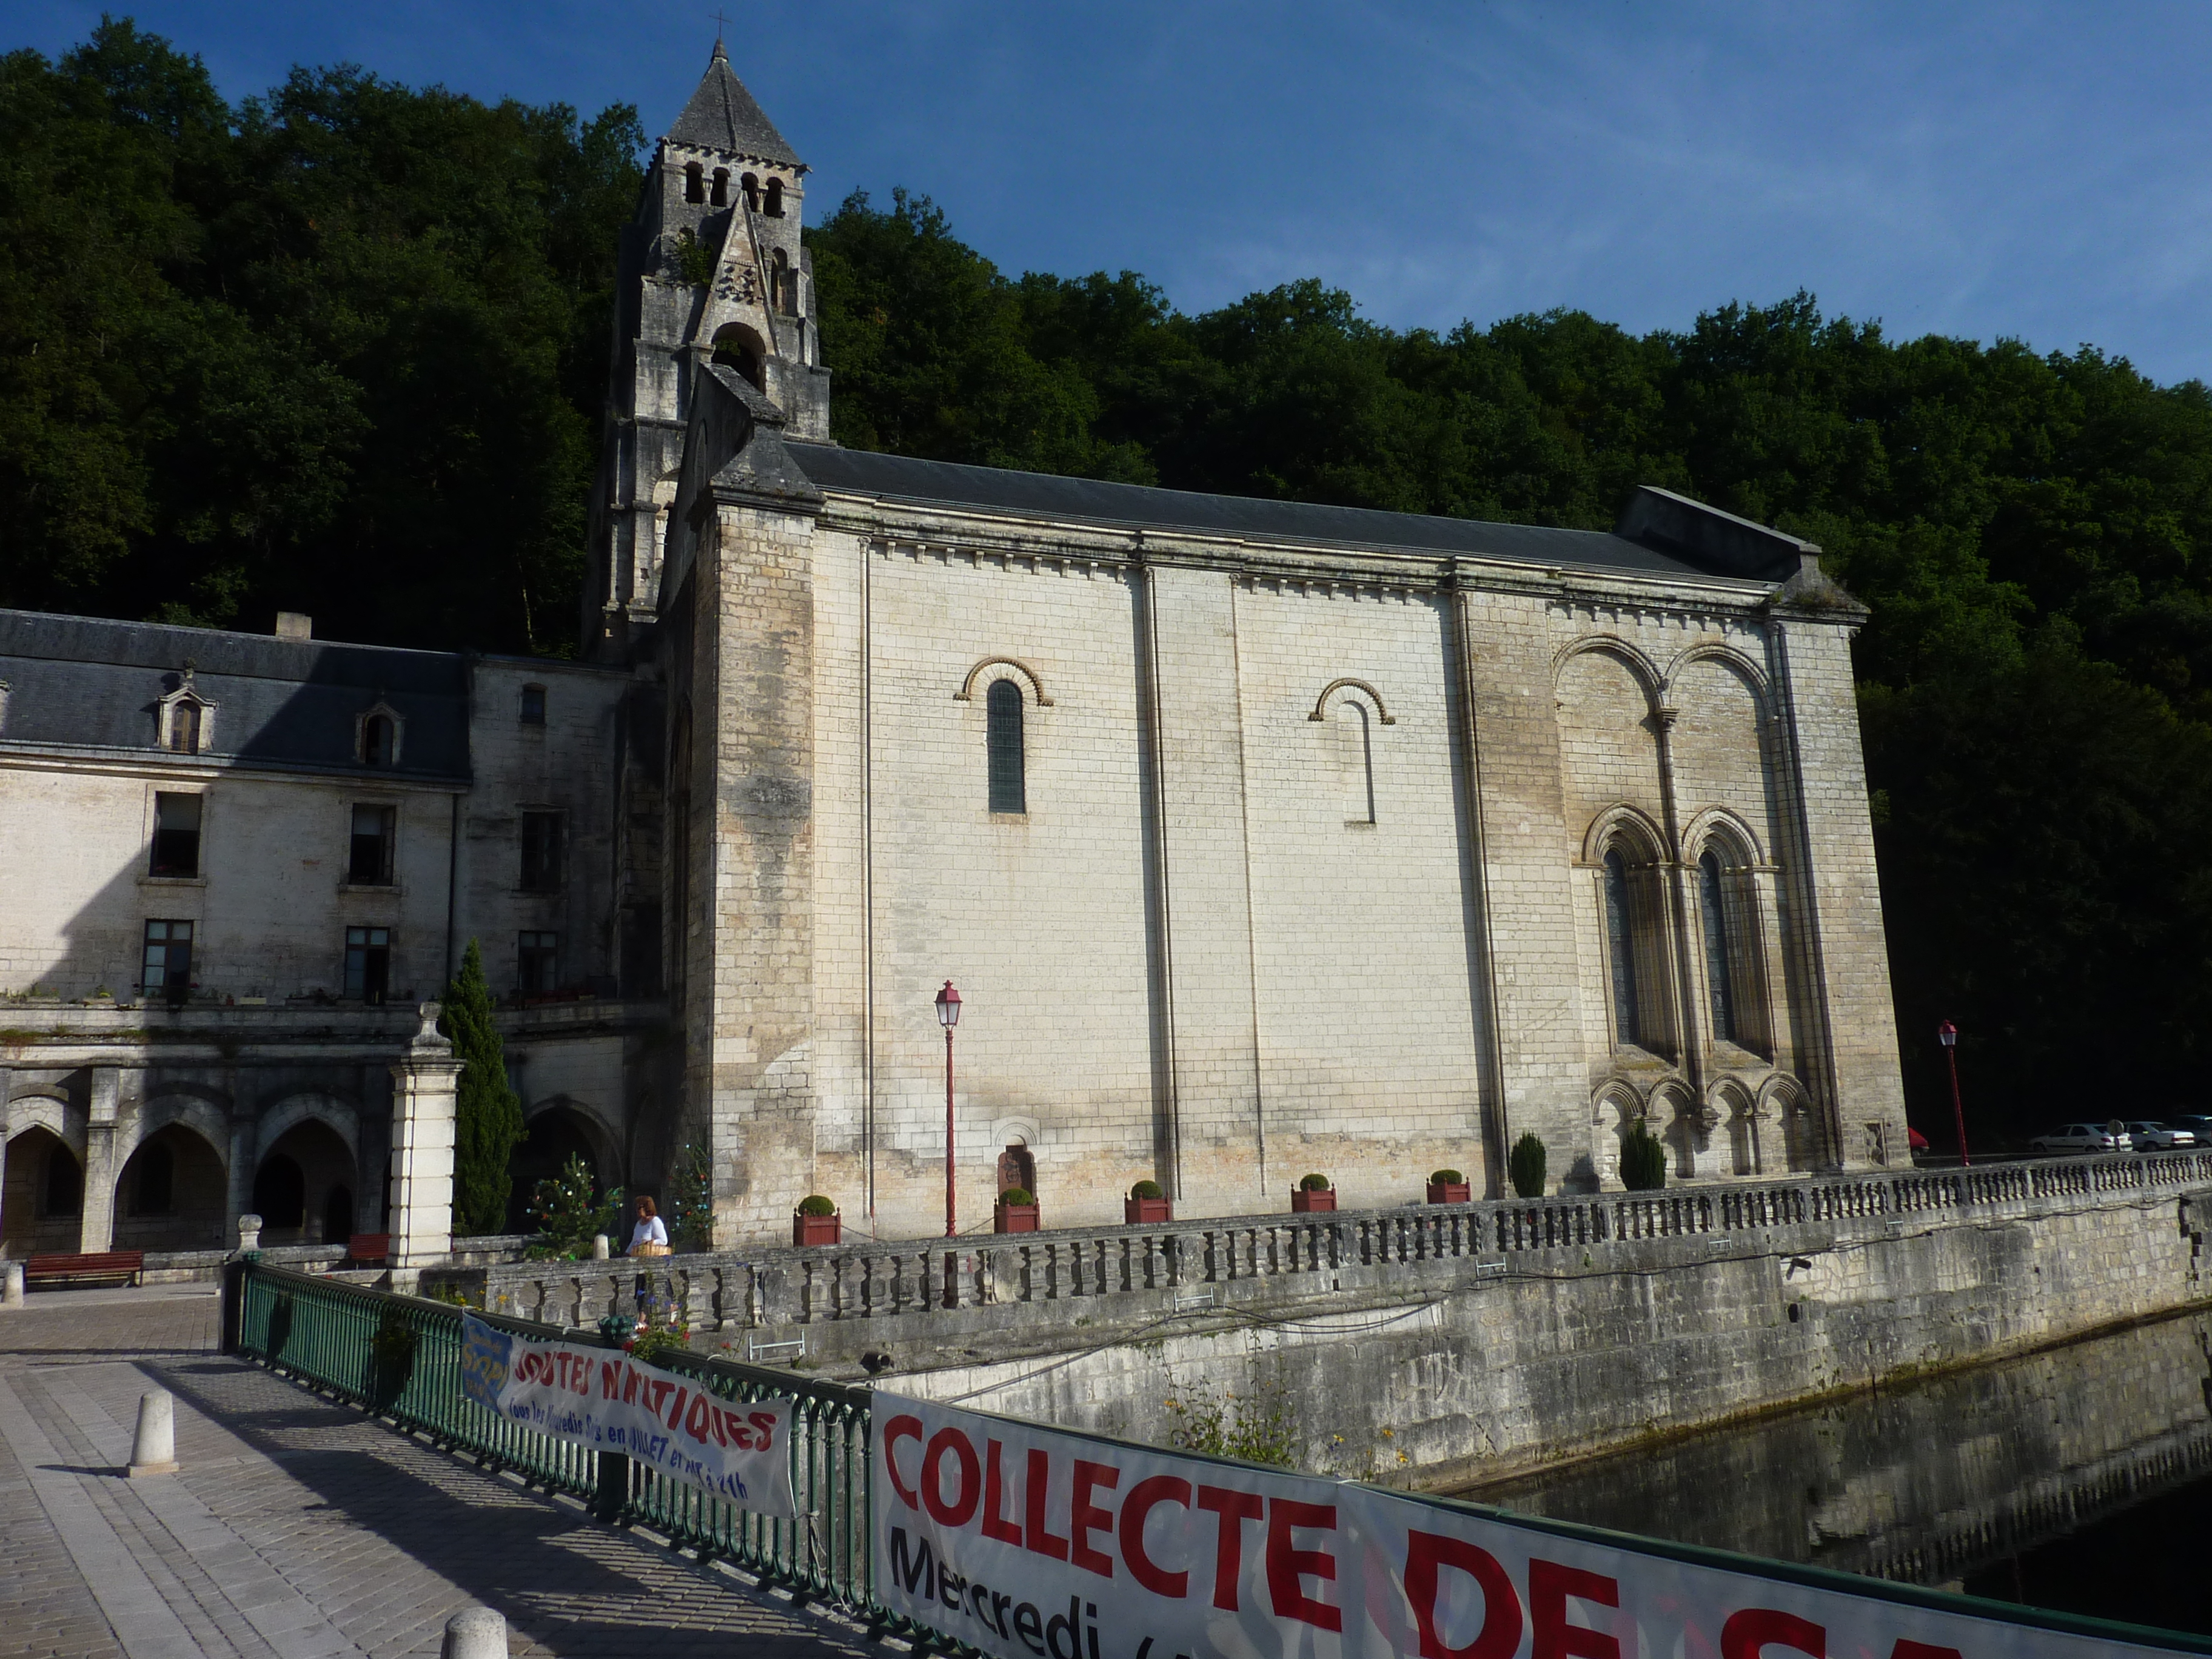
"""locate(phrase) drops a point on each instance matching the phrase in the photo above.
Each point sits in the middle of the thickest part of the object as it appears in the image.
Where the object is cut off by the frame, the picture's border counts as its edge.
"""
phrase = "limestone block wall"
(271, 903)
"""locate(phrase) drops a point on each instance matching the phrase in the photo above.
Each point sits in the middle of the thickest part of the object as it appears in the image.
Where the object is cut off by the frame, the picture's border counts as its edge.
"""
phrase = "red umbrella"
(1919, 1141)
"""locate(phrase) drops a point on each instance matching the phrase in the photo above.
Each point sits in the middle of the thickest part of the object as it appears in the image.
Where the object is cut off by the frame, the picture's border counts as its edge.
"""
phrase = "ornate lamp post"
(1947, 1034)
(948, 1015)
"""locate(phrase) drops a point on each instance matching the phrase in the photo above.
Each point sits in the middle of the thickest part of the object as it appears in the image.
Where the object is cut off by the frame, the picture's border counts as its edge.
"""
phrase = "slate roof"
(902, 478)
(88, 682)
(723, 116)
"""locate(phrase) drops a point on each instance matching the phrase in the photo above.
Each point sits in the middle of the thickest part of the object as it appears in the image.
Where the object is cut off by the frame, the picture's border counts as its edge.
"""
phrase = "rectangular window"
(176, 834)
(541, 851)
(375, 830)
(537, 963)
(368, 963)
(168, 962)
(533, 705)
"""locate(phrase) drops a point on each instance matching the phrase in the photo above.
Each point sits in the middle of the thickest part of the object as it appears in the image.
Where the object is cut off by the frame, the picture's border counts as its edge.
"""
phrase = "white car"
(2079, 1137)
(2148, 1137)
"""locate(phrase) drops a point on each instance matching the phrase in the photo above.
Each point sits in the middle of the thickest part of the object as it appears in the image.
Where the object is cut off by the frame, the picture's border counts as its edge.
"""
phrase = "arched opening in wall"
(1735, 1111)
(783, 288)
(293, 1189)
(720, 194)
(1351, 729)
(550, 1139)
(750, 185)
(172, 1193)
(1729, 928)
(376, 740)
(695, 190)
(740, 348)
(337, 1214)
(771, 199)
(43, 1203)
(1713, 911)
(1635, 941)
(1002, 707)
(1016, 1168)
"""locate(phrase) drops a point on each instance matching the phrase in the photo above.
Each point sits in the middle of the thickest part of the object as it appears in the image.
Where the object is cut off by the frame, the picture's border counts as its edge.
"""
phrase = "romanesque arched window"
(750, 185)
(720, 194)
(1355, 758)
(695, 182)
(772, 206)
(783, 291)
(1003, 738)
(1621, 939)
(1720, 954)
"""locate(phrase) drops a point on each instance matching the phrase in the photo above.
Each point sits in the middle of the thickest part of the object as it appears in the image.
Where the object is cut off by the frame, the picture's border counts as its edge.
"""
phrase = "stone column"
(96, 1227)
(424, 1082)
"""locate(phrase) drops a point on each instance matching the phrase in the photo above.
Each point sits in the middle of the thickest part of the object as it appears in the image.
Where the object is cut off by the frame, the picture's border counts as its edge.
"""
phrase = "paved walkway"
(298, 1527)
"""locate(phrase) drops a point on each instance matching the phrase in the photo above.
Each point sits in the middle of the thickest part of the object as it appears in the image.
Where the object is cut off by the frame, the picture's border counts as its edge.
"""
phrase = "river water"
(2079, 1478)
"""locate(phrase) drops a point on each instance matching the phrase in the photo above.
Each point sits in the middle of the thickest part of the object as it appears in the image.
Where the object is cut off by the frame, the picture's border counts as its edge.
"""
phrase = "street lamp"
(1947, 1034)
(948, 1015)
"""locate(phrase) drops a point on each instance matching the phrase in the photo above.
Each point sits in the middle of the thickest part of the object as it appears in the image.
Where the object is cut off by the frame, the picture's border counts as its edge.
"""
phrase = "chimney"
(294, 625)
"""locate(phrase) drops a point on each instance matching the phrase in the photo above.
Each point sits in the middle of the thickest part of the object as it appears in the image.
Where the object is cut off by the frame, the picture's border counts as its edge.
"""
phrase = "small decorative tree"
(1525, 1165)
(568, 1213)
(1450, 1187)
(1148, 1205)
(1313, 1195)
(1642, 1160)
(488, 1116)
(690, 1207)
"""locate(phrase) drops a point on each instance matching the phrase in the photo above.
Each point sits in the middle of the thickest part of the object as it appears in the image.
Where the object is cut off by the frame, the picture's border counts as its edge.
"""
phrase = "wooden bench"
(128, 1266)
(365, 1249)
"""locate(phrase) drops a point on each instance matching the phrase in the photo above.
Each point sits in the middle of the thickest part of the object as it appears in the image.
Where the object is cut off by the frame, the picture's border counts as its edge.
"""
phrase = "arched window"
(1016, 1168)
(784, 291)
(737, 348)
(376, 740)
(1620, 948)
(750, 185)
(1355, 759)
(721, 192)
(185, 726)
(1003, 726)
(1718, 954)
(773, 206)
(695, 182)
(64, 1193)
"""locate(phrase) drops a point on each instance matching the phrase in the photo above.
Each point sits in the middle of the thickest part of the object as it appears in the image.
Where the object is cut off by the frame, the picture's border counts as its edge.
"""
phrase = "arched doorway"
(306, 1182)
(553, 1137)
(172, 1193)
(43, 1205)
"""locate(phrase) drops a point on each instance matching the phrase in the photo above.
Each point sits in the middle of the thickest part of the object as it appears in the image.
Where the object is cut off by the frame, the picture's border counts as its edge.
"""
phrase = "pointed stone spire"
(722, 116)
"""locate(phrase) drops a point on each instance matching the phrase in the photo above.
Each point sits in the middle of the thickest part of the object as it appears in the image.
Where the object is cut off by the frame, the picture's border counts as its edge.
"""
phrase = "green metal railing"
(400, 1356)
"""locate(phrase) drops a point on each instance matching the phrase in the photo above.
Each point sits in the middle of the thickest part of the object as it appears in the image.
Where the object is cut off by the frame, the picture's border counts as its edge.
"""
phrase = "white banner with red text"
(1030, 1543)
(603, 1398)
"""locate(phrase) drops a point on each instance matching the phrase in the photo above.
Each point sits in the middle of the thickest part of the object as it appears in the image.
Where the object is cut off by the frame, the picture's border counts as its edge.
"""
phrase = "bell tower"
(712, 266)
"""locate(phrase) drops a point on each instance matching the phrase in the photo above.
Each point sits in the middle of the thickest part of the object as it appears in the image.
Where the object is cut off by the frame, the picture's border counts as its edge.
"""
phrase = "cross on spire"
(721, 25)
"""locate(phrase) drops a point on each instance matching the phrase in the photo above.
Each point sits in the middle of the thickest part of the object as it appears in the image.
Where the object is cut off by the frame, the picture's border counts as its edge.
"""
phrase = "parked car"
(2148, 1137)
(2199, 1126)
(2079, 1137)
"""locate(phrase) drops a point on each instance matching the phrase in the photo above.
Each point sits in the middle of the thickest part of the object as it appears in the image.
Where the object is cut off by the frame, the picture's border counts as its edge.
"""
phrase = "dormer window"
(378, 733)
(185, 720)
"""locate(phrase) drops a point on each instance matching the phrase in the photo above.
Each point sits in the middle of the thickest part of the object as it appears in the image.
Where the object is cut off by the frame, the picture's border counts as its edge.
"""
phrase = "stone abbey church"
(1259, 838)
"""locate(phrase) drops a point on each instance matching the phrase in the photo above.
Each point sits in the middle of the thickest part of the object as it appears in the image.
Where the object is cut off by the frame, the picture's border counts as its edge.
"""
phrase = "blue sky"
(2038, 171)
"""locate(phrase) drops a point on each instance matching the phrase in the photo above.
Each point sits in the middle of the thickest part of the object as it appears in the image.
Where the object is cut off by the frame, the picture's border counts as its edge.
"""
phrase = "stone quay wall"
(1433, 1344)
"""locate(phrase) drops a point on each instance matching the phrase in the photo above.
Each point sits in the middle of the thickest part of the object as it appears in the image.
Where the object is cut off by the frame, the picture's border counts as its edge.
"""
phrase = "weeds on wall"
(1260, 1428)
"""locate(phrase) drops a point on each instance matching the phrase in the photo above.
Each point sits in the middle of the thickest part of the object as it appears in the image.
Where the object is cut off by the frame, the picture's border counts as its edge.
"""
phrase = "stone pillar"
(424, 1082)
(96, 1227)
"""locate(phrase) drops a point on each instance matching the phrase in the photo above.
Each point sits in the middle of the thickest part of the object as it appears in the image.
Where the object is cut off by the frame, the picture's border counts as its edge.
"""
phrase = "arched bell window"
(695, 182)
(720, 194)
(772, 206)
(1003, 738)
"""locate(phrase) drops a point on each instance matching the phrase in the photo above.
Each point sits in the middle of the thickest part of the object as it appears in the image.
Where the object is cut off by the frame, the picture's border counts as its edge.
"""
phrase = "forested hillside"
(341, 349)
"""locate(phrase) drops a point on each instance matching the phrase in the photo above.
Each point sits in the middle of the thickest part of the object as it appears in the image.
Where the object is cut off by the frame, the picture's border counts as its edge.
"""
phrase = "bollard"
(153, 1448)
(249, 1233)
(476, 1633)
(12, 1295)
(601, 1250)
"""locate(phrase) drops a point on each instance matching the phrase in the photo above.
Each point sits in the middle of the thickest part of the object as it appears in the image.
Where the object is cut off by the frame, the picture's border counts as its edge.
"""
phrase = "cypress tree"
(488, 1121)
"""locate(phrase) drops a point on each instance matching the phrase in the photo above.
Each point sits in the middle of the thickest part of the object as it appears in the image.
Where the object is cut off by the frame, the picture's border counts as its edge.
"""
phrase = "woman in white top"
(650, 1237)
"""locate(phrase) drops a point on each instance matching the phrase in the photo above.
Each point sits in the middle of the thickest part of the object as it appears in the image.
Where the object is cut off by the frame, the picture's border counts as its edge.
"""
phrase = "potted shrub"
(1146, 1205)
(1450, 1187)
(1015, 1212)
(1313, 1195)
(1526, 1166)
(816, 1221)
(1642, 1160)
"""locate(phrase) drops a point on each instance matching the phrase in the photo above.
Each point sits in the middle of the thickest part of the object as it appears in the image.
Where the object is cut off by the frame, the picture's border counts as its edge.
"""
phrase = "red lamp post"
(1947, 1034)
(948, 1015)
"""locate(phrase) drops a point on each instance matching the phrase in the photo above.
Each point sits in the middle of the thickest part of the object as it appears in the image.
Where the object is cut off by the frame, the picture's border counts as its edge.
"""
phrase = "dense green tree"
(488, 1116)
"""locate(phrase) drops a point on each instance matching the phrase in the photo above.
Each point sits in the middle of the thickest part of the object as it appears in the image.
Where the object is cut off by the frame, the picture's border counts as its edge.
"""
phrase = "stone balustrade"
(1180, 1266)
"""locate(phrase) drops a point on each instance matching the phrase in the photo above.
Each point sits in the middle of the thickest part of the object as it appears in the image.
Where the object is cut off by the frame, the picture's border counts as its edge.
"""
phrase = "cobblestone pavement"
(297, 1528)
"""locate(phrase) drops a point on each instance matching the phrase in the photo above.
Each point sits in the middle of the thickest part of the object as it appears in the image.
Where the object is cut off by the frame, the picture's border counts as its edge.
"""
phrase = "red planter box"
(1451, 1192)
(817, 1230)
(1014, 1218)
(1305, 1203)
(1147, 1211)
